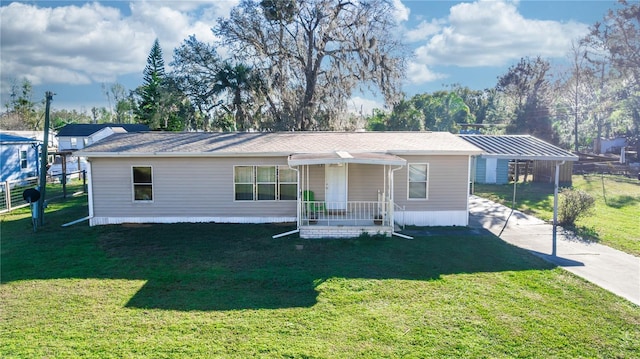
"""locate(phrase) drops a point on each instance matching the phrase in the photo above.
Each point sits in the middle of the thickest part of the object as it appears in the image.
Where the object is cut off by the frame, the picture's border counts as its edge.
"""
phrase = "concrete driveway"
(606, 267)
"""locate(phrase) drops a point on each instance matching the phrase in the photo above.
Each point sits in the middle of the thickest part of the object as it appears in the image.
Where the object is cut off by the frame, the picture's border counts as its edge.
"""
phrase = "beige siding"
(182, 187)
(447, 184)
(204, 187)
(316, 180)
(364, 182)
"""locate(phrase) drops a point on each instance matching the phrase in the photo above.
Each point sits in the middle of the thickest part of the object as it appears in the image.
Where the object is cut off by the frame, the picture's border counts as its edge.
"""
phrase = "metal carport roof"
(524, 147)
(518, 147)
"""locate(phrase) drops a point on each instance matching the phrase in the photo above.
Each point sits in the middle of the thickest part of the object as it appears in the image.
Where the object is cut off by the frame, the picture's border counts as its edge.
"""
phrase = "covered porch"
(343, 194)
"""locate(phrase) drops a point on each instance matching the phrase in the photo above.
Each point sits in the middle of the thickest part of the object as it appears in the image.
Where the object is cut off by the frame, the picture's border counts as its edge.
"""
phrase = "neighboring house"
(37, 135)
(18, 157)
(332, 184)
(73, 137)
(609, 145)
(78, 136)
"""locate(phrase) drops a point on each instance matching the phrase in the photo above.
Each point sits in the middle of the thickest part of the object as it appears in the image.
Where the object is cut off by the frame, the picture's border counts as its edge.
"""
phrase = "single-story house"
(18, 157)
(332, 184)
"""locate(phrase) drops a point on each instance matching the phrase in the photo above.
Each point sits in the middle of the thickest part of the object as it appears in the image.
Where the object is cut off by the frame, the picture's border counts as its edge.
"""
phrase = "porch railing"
(350, 213)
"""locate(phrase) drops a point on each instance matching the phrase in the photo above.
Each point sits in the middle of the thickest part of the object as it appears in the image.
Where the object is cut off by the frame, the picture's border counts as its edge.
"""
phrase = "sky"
(74, 48)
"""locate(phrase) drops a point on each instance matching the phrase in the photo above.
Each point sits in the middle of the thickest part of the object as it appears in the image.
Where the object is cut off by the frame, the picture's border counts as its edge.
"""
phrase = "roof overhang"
(530, 157)
(341, 157)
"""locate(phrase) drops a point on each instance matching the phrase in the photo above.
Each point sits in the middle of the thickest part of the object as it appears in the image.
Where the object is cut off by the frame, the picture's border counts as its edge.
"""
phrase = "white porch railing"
(350, 213)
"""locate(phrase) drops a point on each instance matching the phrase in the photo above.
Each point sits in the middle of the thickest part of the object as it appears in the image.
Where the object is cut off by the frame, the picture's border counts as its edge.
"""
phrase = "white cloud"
(418, 73)
(424, 30)
(401, 12)
(360, 105)
(89, 43)
(489, 33)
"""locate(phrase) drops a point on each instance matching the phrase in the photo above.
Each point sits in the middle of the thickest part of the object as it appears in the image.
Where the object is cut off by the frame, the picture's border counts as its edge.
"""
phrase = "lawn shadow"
(227, 273)
(621, 201)
(581, 234)
(235, 267)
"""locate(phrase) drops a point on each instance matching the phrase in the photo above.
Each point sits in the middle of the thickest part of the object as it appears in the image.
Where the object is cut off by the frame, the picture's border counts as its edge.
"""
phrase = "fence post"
(84, 181)
(63, 179)
(7, 195)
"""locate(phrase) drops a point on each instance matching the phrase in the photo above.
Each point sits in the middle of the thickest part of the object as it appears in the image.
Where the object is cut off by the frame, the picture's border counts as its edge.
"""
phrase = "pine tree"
(155, 63)
(150, 92)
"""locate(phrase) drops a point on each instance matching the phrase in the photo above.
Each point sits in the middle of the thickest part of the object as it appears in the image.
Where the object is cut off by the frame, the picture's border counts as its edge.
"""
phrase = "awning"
(339, 157)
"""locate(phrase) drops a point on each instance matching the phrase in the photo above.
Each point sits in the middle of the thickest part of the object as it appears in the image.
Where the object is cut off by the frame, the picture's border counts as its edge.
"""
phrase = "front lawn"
(615, 221)
(214, 290)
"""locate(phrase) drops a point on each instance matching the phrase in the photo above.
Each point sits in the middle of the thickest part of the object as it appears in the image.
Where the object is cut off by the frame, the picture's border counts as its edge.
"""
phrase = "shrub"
(573, 205)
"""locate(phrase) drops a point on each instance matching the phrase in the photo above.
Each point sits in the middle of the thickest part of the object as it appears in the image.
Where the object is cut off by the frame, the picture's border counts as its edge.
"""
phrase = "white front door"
(336, 187)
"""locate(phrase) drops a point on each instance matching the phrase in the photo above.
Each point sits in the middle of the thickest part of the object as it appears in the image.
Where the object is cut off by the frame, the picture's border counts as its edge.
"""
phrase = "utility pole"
(43, 161)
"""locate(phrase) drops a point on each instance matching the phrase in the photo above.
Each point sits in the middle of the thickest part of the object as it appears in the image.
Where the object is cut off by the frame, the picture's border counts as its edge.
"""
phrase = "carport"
(524, 148)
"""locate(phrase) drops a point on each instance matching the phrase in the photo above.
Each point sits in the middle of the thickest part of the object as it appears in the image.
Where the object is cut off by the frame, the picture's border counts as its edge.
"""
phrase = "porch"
(320, 219)
(344, 195)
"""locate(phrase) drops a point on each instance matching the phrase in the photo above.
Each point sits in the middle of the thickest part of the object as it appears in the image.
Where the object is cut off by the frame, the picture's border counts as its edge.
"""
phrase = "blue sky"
(73, 47)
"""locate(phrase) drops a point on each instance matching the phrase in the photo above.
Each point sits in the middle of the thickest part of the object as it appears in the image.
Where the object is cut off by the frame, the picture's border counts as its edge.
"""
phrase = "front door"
(336, 187)
(492, 167)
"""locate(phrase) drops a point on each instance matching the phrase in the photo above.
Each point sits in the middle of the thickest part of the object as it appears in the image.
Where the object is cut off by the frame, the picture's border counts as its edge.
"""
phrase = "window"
(418, 178)
(23, 160)
(142, 183)
(265, 183)
(74, 142)
(243, 178)
(288, 182)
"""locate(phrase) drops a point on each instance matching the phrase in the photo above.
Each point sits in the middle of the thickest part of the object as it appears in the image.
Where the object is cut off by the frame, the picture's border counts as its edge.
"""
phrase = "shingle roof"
(276, 143)
(87, 129)
(518, 147)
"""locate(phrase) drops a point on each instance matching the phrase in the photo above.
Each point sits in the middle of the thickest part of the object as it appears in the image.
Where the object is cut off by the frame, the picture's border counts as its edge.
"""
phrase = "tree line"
(295, 64)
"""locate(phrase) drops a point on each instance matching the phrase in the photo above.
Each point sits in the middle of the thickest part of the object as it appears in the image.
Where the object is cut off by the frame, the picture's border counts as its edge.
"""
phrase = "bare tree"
(312, 54)
(576, 96)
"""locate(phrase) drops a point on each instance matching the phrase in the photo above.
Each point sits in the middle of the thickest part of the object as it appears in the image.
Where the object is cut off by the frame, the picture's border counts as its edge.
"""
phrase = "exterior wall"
(64, 143)
(202, 190)
(184, 190)
(364, 182)
(545, 171)
(447, 184)
(501, 171)
(10, 161)
(481, 170)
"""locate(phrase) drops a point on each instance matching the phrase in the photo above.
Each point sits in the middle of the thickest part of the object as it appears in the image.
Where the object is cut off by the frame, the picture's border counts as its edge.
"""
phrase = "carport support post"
(554, 246)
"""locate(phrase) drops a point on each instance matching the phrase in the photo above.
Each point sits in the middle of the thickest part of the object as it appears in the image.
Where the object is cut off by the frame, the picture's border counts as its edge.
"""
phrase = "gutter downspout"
(392, 200)
(89, 198)
(513, 201)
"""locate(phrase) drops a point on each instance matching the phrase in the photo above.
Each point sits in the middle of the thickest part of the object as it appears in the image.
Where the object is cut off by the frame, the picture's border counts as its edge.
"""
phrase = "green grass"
(616, 218)
(213, 290)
